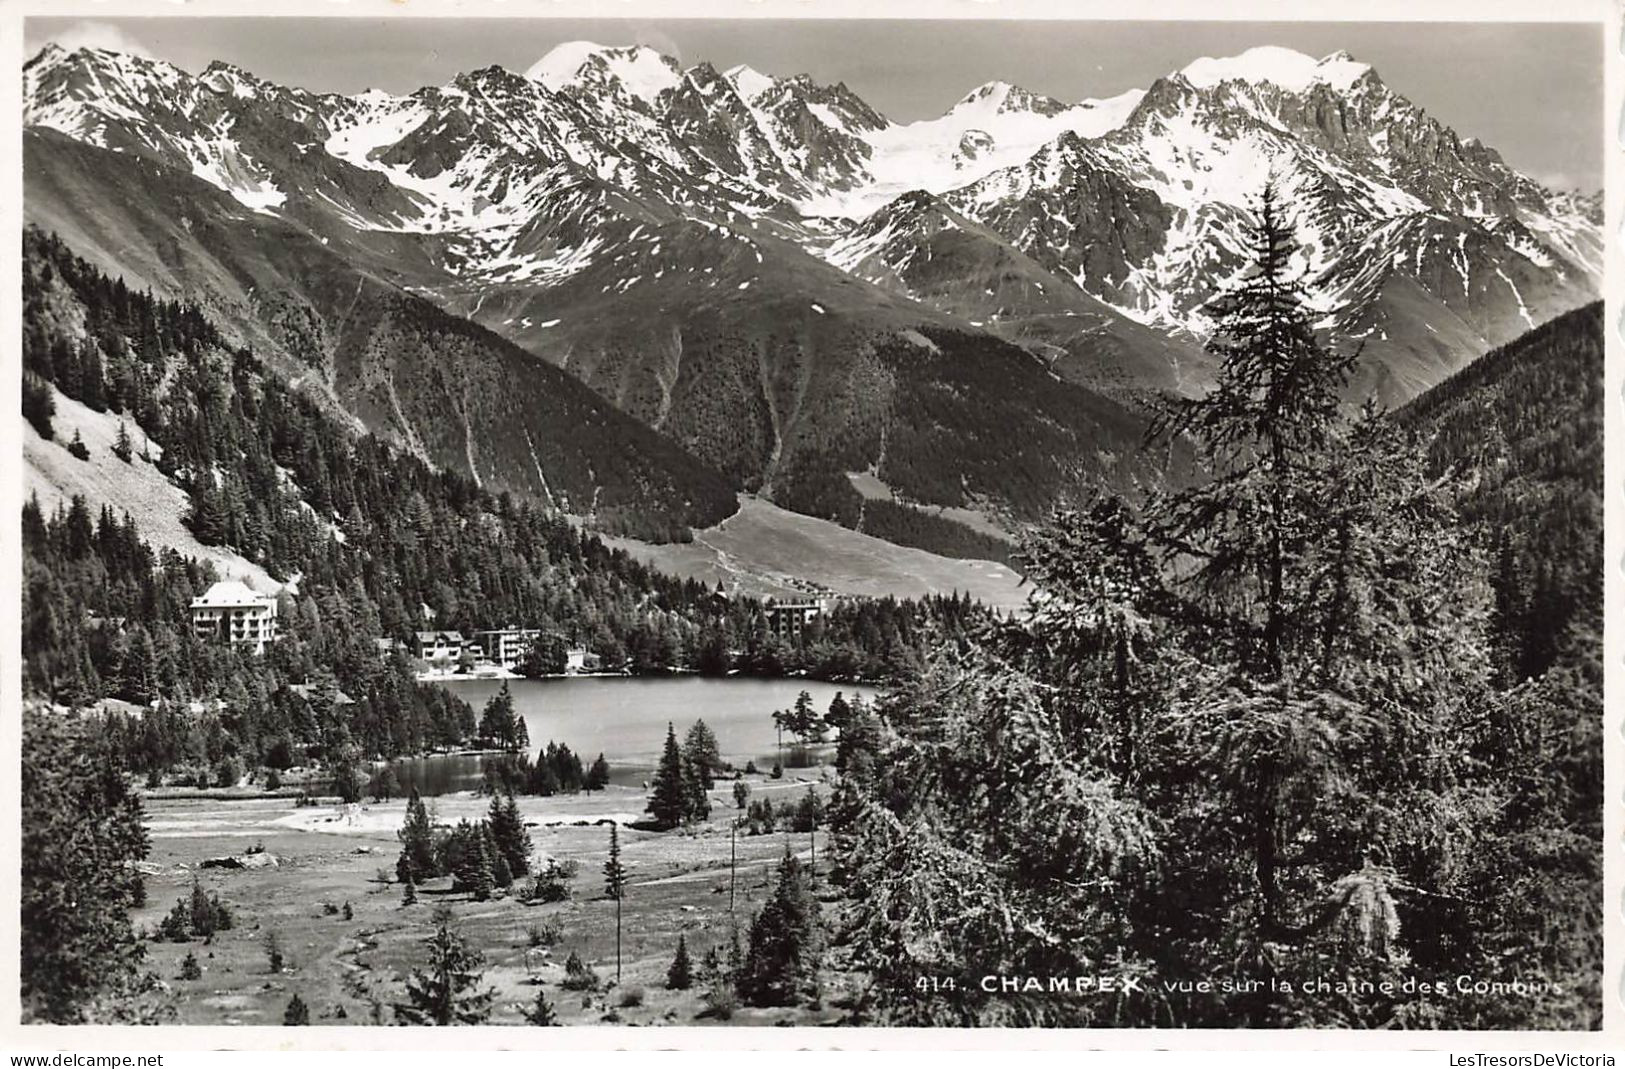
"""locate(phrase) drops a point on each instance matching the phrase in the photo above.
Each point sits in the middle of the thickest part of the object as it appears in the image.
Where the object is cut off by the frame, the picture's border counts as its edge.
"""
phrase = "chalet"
(115, 707)
(230, 612)
(308, 691)
(440, 645)
(579, 660)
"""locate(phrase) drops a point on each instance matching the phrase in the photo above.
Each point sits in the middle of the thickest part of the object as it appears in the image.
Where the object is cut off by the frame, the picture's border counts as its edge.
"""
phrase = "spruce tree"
(417, 861)
(121, 446)
(509, 835)
(615, 887)
(781, 964)
(680, 976)
(598, 774)
(385, 785)
(497, 721)
(838, 713)
(297, 1012)
(1236, 696)
(540, 1013)
(478, 878)
(700, 749)
(501, 874)
(696, 802)
(668, 798)
(447, 991)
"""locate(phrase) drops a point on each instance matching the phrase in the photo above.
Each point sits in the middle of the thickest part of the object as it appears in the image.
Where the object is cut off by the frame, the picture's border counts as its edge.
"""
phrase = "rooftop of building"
(231, 593)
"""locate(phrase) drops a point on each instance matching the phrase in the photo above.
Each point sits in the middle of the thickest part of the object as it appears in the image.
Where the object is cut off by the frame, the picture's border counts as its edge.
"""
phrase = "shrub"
(721, 1001)
(273, 782)
(741, 793)
(578, 975)
(177, 926)
(631, 998)
(297, 1012)
(540, 1013)
(760, 819)
(205, 913)
(78, 448)
(545, 934)
(552, 884)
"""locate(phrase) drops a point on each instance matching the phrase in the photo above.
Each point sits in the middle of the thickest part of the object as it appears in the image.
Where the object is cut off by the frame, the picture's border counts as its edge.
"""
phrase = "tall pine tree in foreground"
(1253, 709)
(447, 990)
(786, 943)
(615, 887)
(81, 835)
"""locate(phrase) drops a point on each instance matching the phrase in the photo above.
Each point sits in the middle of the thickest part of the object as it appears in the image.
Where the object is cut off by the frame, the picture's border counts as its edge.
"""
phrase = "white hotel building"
(231, 612)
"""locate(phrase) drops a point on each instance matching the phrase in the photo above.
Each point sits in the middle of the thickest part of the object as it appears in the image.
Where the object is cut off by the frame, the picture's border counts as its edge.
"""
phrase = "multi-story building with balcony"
(230, 612)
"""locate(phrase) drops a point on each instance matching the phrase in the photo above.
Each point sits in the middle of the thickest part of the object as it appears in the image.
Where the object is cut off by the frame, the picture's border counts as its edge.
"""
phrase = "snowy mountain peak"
(750, 82)
(640, 70)
(530, 181)
(229, 80)
(999, 97)
(49, 55)
(1285, 68)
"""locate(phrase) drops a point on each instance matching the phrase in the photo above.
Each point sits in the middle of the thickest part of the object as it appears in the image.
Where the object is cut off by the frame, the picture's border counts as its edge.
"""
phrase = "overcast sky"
(1533, 91)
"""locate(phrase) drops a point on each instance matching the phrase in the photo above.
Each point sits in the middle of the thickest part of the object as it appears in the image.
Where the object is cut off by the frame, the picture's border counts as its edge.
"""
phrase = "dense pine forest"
(370, 536)
(1523, 426)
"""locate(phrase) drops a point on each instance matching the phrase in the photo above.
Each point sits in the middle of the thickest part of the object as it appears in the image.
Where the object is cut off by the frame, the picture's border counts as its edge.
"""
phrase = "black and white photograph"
(595, 521)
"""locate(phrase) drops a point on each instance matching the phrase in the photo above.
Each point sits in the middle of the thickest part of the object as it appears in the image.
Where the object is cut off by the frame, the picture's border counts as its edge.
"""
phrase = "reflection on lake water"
(625, 718)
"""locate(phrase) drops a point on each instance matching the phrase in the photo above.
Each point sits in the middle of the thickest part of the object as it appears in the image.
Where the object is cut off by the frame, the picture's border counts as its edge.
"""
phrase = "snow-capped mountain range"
(1092, 233)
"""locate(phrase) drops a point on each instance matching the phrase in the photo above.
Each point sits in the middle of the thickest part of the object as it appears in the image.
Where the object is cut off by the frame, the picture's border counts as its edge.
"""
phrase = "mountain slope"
(447, 390)
(769, 365)
(1524, 424)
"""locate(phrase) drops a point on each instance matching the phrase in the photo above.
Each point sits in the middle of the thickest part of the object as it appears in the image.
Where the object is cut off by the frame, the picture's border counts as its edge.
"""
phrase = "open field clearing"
(350, 971)
(767, 550)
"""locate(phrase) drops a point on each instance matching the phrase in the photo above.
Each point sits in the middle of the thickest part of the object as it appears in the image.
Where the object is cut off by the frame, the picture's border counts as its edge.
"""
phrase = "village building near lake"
(231, 612)
(786, 620)
(507, 646)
